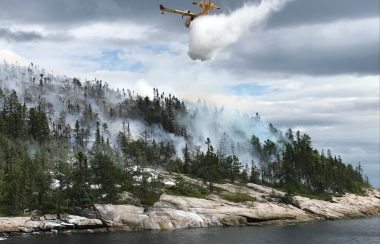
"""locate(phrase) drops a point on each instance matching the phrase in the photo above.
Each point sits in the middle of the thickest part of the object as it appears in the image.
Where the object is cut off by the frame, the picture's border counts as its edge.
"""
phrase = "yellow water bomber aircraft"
(207, 5)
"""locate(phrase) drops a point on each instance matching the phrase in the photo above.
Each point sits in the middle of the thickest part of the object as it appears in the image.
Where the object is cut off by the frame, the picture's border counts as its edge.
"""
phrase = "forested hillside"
(66, 144)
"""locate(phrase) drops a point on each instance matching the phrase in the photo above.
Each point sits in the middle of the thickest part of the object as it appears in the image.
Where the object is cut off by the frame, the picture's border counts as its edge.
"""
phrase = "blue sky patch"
(159, 48)
(248, 89)
(110, 59)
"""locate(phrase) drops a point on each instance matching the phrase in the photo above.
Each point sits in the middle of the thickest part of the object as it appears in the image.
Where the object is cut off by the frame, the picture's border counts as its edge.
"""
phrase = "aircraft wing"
(176, 11)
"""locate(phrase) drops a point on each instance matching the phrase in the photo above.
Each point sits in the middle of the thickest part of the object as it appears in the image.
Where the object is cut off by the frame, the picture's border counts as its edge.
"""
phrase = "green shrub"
(184, 188)
(287, 199)
(149, 198)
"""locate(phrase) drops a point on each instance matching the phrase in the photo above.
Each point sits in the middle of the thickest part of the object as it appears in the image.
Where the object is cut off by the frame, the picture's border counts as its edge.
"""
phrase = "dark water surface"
(365, 231)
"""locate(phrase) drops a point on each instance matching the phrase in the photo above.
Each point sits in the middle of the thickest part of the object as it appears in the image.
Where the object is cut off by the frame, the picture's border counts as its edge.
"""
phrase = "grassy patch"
(187, 189)
(238, 197)
(303, 193)
(321, 196)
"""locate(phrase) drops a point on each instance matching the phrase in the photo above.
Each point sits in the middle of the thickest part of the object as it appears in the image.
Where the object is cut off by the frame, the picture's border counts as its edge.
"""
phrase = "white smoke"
(12, 57)
(228, 130)
(210, 34)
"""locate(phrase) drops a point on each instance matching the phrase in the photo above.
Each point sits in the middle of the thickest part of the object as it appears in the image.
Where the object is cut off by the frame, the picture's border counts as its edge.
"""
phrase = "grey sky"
(311, 52)
(19, 36)
(66, 12)
(322, 11)
(358, 58)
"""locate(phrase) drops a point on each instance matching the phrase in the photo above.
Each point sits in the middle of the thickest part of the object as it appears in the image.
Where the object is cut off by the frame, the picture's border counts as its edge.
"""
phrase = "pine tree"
(80, 190)
(186, 159)
(255, 174)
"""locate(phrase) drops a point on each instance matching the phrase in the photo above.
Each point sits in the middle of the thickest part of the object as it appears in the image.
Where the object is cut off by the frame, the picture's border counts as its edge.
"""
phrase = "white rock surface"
(81, 222)
(12, 224)
(349, 205)
(177, 212)
(47, 223)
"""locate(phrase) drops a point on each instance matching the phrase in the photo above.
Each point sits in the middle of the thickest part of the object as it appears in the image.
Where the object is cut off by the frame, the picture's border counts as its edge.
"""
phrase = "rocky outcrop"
(175, 212)
(48, 222)
(12, 224)
(349, 205)
(178, 212)
(81, 222)
(253, 211)
(128, 217)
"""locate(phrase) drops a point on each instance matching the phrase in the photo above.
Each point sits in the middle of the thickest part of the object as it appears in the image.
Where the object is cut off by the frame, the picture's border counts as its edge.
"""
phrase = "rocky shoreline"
(178, 212)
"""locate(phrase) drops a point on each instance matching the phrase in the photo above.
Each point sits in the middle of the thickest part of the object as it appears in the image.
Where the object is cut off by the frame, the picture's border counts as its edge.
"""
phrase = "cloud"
(307, 12)
(113, 60)
(19, 36)
(319, 49)
(30, 33)
(117, 31)
(338, 112)
(67, 14)
(73, 12)
(210, 34)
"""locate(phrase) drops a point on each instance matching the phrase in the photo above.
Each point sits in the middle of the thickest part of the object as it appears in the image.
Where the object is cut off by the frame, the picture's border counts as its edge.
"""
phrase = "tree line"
(47, 165)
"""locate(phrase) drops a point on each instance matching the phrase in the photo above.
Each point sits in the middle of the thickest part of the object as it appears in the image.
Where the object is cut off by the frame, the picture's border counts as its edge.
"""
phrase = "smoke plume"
(64, 102)
(210, 34)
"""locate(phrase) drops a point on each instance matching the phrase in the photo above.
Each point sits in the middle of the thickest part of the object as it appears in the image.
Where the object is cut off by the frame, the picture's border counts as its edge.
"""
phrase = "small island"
(80, 156)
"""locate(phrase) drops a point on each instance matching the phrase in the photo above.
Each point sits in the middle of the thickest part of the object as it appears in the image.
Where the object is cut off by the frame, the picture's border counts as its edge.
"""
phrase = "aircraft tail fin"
(205, 5)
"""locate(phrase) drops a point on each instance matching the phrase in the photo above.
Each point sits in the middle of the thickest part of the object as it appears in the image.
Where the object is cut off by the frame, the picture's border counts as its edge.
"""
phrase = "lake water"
(365, 231)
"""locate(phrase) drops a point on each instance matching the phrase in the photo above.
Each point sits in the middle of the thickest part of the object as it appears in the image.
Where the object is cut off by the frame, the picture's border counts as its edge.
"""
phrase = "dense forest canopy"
(66, 144)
